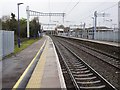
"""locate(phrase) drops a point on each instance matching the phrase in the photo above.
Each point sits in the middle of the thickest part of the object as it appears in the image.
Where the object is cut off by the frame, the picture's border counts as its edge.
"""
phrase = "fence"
(108, 36)
(103, 36)
(6, 43)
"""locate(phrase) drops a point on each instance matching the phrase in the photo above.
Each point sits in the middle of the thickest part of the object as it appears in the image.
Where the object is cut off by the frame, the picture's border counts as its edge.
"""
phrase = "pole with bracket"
(63, 17)
(119, 16)
(95, 22)
(35, 13)
(18, 25)
(28, 15)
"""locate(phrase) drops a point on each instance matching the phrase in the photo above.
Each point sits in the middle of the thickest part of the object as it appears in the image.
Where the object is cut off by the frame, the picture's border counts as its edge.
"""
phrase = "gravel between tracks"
(108, 72)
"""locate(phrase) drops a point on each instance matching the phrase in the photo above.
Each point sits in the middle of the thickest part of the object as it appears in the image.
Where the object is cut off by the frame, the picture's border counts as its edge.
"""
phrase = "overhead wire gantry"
(35, 13)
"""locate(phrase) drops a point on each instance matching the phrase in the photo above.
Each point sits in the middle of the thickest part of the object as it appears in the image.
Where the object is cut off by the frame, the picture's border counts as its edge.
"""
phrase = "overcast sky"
(82, 12)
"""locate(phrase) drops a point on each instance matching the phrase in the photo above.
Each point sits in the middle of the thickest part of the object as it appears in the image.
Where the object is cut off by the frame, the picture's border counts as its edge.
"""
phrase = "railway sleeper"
(90, 82)
(82, 72)
(82, 69)
(76, 62)
(87, 71)
(93, 87)
(83, 75)
(64, 71)
(78, 65)
(86, 78)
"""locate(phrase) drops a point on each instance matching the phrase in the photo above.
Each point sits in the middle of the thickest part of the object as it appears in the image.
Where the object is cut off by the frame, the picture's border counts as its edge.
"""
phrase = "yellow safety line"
(36, 78)
(24, 73)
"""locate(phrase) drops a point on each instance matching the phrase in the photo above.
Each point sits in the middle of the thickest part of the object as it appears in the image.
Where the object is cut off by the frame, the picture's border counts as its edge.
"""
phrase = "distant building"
(100, 29)
(48, 28)
(50, 31)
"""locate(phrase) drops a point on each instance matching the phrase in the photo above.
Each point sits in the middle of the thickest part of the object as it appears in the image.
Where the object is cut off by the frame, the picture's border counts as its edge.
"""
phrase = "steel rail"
(98, 75)
(107, 54)
(93, 55)
(70, 73)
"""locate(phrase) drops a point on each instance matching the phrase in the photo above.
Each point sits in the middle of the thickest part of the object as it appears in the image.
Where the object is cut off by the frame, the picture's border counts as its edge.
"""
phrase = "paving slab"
(14, 66)
(48, 73)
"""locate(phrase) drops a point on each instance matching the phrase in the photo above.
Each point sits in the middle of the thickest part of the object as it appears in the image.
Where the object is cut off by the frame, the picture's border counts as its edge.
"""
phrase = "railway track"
(83, 76)
(105, 57)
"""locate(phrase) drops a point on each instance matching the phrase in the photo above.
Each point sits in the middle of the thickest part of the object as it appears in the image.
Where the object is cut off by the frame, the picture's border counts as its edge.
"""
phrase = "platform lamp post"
(18, 25)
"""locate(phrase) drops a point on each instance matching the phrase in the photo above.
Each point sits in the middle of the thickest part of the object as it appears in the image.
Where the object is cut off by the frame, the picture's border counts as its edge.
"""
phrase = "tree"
(13, 23)
(23, 28)
(12, 16)
(5, 18)
(6, 22)
(60, 26)
(34, 27)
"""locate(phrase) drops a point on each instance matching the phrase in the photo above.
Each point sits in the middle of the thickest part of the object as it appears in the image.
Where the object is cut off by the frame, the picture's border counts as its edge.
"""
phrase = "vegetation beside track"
(24, 44)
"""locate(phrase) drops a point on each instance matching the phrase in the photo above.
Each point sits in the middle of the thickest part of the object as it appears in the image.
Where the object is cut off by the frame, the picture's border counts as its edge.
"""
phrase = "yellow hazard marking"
(36, 78)
(25, 72)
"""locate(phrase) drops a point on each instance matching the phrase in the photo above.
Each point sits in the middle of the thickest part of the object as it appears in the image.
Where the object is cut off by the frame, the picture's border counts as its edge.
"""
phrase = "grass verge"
(24, 45)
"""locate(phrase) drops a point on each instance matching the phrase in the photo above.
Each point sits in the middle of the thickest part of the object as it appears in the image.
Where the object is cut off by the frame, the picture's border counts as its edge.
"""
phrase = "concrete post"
(95, 22)
(119, 16)
(28, 15)
(18, 27)
(84, 32)
(0, 24)
(1, 44)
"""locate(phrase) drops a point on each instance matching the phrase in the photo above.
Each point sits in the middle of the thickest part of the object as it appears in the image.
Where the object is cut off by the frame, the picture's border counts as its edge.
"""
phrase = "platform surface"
(48, 73)
(97, 41)
(14, 66)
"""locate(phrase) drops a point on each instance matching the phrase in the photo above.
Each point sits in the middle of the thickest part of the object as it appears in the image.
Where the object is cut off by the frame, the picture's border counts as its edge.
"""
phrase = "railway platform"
(102, 42)
(12, 67)
(47, 73)
(115, 44)
(109, 48)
